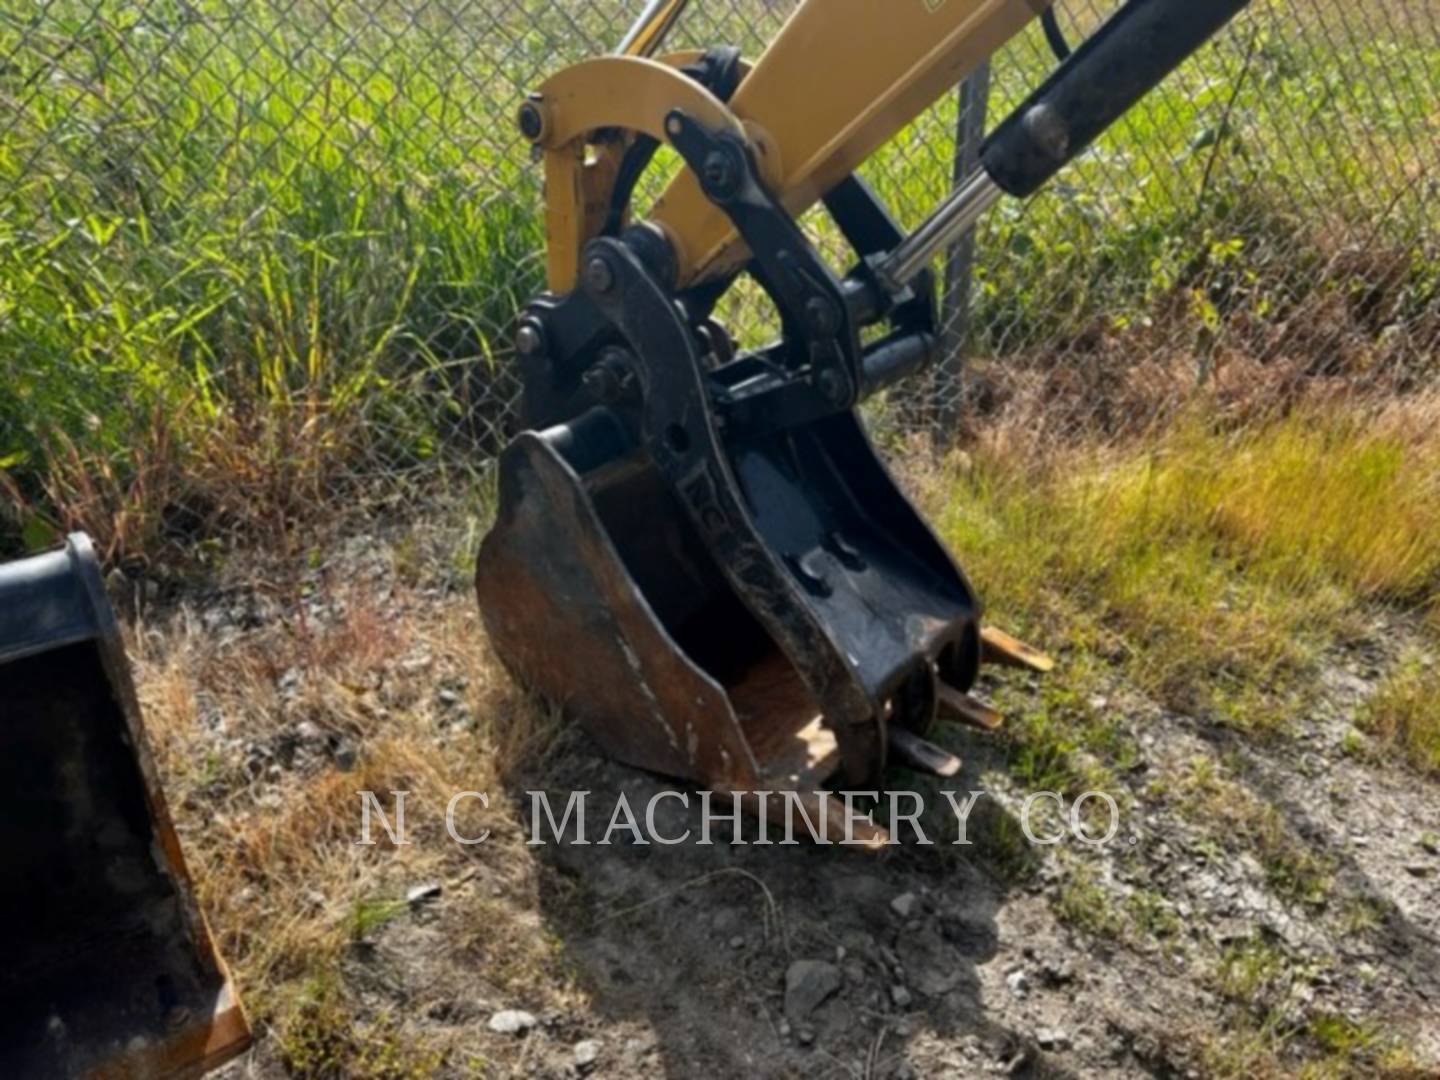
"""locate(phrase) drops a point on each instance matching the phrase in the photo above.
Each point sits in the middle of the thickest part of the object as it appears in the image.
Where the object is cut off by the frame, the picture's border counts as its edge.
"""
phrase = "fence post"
(974, 95)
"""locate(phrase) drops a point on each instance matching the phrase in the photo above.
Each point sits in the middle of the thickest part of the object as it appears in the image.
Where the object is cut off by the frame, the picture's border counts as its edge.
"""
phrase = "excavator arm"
(697, 553)
(809, 132)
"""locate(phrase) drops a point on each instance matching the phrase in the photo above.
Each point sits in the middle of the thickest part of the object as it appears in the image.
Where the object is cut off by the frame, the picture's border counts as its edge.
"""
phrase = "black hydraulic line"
(1115, 67)
(1054, 36)
(632, 166)
(719, 72)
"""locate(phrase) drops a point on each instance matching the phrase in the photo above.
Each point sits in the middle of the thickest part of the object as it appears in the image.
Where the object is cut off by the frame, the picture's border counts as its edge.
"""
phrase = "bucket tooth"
(922, 755)
(814, 814)
(971, 710)
(998, 647)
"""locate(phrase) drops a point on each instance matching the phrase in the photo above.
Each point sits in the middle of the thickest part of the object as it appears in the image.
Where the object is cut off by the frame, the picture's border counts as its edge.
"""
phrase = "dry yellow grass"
(1214, 564)
(1405, 713)
(271, 828)
(1210, 566)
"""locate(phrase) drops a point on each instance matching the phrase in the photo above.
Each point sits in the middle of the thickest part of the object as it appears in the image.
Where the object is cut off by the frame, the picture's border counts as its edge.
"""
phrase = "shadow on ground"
(1360, 822)
(698, 944)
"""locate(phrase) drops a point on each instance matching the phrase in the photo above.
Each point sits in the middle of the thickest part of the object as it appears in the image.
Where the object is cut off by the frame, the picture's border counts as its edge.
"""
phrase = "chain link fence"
(261, 256)
(1264, 222)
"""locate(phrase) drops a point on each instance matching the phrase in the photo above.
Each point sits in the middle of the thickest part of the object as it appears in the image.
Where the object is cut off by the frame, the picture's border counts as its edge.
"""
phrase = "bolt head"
(529, 339)
(603, 384)
(599, 275)
(831, 387)
(531, 121)
(821, 316)
(612, 379)
(720, 174)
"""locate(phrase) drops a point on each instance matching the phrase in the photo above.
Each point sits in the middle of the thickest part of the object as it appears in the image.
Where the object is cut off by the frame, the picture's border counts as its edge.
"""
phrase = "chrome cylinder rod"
(947, 223)
(651, 28)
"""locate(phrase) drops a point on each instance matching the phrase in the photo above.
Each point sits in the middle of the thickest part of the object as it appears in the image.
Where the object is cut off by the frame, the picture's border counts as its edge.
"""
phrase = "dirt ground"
(1268, 907)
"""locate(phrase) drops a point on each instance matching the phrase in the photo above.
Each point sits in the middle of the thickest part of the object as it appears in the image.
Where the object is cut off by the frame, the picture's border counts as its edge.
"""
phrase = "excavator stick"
(698, 554)
(109, 968)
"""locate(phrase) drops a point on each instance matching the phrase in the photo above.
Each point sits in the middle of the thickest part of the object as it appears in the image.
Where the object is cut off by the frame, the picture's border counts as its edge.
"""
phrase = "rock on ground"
(808, 983)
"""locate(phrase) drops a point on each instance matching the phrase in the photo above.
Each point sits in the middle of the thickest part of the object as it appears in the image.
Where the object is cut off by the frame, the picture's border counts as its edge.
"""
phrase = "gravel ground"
(1267, 906)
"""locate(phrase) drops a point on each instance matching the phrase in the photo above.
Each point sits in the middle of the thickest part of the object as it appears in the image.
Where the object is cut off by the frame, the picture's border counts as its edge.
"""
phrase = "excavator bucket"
(601, 593)
(698, 554)
(109, 968)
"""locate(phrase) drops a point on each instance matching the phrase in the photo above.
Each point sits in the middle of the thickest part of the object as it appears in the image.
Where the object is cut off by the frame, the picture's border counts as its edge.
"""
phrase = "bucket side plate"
(110, 970)
(567, 618)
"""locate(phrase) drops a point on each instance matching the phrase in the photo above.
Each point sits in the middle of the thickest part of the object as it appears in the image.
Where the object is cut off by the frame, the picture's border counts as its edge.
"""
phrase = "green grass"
(371, 913)
(1224, 199)
(251, 251)
(1405, 713)
(1267, 1034)
(322, 1036)
(251, 256)
(1087, 905)
(250, 262)
(1062, 741)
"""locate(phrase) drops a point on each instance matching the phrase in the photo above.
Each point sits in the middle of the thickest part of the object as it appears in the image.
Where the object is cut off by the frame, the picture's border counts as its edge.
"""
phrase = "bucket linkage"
(699, 555)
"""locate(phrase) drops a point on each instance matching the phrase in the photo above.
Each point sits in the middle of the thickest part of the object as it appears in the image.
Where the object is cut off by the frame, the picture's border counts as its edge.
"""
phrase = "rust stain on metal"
(971, 710)
(921, 754)
(998, 647)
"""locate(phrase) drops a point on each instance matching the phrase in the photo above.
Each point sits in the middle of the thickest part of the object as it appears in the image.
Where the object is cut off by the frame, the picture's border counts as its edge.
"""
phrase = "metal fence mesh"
(259, 254)
(1269, 212)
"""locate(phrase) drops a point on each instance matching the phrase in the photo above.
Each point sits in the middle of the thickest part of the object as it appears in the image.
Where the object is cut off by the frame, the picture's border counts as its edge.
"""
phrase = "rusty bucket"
(109, 969)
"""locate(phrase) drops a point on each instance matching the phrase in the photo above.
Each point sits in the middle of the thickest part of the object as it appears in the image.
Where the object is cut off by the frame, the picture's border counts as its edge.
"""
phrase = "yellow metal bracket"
(807, 128)
(616, 94)
(841, 79)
